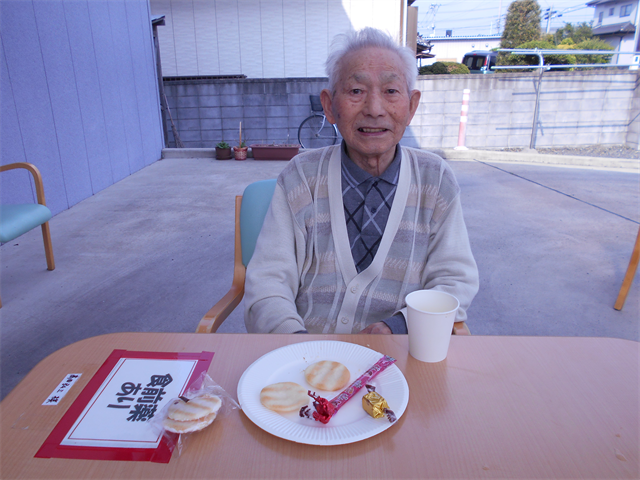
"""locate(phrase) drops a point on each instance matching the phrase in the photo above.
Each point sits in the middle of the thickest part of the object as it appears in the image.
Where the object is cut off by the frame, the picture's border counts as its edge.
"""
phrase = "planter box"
(274, 152)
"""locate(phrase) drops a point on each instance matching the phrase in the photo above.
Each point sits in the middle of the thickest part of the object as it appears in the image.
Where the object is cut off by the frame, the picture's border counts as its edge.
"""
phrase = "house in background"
(265, 38)
(616, 22)
(452, 49)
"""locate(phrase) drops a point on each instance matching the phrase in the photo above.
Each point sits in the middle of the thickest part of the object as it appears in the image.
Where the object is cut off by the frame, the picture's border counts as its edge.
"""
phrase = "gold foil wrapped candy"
(376, 406)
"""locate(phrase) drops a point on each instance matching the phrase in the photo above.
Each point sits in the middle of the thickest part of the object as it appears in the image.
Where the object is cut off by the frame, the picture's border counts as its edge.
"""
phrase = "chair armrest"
(37, 177)
(460, 328)
(221, 310)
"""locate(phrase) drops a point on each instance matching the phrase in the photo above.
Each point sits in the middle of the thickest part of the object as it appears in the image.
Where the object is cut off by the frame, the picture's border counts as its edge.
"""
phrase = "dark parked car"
(480, 61)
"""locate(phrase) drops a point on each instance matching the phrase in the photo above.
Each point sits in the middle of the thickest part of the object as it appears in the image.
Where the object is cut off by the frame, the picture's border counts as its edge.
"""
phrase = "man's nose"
(374, 105)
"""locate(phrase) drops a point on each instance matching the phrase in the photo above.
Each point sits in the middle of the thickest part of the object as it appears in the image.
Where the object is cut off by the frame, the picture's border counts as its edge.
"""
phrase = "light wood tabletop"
(497, 407)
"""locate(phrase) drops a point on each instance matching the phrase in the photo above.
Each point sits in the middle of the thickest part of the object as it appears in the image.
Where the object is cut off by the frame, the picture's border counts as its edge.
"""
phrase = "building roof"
(466, 37)
(626, 27)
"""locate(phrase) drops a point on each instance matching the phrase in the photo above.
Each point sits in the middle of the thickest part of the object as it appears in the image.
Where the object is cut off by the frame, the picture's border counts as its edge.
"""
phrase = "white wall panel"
(228, 31)
(204, 12)
(185, 37)
(272, 38)
(317, 35)
(165, 37)
(262, 38)
(250, 37)
(339, 21)
(360, 13)
(295, 51)
(385, 18)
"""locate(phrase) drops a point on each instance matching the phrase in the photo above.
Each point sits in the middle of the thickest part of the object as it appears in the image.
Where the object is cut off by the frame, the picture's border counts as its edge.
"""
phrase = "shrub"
(437, 68)
(443, 68)
(455, 68)
(593, 44)
(533, 59)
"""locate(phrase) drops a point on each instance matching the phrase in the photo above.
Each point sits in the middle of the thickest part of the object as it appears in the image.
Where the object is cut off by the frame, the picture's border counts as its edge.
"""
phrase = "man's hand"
(378, 327)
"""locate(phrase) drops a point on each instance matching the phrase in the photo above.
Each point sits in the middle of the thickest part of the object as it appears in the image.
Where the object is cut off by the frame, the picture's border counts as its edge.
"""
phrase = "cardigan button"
(354, 289)
(344, 320)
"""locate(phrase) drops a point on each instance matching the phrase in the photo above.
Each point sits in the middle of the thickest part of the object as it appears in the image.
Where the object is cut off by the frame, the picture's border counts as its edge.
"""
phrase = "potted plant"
(281, 151)
(223, 151)
(240, 151)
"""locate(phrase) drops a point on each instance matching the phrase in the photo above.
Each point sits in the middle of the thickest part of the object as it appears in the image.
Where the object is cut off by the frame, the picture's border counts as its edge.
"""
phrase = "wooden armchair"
(251, 209)
(628, 277)
(16, 220)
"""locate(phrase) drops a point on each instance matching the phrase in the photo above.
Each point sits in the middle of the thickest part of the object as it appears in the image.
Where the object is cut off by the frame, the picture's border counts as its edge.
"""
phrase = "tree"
(578, 33)
(522, 24)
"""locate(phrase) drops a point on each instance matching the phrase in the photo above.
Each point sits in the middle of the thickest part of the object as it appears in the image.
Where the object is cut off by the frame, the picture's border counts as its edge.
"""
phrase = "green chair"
(251, 208)
(16, 220)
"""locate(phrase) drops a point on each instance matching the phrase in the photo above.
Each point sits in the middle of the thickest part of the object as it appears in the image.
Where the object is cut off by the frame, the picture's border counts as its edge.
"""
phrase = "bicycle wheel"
(316, 132)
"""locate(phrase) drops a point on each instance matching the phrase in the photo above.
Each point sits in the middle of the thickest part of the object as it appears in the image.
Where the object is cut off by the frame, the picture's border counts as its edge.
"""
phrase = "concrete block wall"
(576, 108)
(633, 128)
(206, 112)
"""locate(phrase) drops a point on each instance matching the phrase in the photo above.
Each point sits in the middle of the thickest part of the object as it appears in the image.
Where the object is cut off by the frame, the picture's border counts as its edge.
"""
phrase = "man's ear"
(414, 101)
(327, 102)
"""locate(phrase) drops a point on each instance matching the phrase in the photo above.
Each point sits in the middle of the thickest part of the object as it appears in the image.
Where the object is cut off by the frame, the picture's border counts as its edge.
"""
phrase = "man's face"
(371, 106)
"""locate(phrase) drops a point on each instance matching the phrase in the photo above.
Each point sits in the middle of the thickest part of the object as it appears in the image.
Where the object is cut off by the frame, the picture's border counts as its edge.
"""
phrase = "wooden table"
(498, 407)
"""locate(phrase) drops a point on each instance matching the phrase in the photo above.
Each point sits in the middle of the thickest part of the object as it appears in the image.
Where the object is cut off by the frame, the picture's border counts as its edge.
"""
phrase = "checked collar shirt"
(367, 202)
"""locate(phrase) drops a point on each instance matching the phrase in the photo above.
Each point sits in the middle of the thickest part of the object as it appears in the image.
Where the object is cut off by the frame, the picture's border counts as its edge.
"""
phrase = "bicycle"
(315, 131)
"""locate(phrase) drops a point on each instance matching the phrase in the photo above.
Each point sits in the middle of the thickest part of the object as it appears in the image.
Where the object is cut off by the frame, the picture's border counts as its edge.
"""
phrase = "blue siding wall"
(79, 96)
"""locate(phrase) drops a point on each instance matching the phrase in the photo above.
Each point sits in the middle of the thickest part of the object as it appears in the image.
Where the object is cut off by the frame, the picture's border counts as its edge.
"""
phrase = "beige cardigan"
(302, 274)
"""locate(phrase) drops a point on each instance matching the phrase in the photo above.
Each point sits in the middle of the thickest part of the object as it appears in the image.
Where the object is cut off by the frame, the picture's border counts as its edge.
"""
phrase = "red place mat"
(52, 447)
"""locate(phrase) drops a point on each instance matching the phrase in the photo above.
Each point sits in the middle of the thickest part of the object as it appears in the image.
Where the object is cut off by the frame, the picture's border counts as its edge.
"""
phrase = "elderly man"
(353, 228)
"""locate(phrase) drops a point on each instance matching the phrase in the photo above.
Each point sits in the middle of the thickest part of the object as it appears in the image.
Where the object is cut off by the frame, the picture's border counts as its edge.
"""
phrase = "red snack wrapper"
(325, 409)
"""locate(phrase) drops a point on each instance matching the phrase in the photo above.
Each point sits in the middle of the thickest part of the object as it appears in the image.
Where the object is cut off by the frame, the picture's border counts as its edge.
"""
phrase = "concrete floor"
(154, 252)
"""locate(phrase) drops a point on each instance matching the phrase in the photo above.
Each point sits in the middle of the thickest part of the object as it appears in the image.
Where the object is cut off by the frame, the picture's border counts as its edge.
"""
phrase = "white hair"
(368, 37)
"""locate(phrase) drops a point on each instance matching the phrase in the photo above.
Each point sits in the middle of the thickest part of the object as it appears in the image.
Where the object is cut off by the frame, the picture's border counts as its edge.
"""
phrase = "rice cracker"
(284, 397)
(327, 375)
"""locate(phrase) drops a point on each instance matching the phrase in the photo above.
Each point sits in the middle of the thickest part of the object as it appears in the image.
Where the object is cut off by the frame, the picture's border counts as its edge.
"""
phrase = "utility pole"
(550, 13)
(636, 45)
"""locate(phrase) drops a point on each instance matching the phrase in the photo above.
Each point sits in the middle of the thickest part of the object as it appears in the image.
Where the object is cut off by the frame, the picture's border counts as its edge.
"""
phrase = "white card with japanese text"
(118, 414)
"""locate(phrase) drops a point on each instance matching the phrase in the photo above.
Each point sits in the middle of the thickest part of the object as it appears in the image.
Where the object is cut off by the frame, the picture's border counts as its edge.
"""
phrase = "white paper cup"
(430, 317)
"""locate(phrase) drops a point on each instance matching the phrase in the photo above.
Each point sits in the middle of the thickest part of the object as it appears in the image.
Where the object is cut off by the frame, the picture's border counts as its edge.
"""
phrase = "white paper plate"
(351, 423)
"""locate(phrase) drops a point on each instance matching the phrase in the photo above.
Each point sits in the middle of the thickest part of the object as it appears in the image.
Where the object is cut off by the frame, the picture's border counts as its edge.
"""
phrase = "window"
(611, 11)
(600, 17)
(625, 10)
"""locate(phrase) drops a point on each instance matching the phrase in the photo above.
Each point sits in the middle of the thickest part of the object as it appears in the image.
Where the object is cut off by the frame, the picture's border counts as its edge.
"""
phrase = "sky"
(480, 17)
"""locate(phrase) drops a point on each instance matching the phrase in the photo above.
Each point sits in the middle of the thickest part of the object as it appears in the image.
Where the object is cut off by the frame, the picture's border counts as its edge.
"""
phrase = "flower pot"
(240, 152)
(223, 153)
(275, 152)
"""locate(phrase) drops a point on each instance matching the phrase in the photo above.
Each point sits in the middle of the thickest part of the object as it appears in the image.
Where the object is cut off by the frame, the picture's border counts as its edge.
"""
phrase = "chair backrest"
(255, 203)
